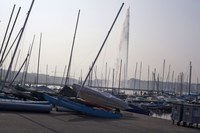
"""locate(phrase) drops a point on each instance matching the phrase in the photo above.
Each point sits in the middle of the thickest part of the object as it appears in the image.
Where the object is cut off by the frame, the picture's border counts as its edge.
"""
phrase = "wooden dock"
(70, 122)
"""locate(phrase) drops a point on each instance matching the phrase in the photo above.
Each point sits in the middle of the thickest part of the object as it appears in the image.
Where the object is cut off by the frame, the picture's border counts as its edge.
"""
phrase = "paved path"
(69, 122)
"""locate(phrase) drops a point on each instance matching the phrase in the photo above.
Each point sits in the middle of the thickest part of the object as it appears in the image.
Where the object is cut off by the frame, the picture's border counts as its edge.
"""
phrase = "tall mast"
(10, 34)
(19, 70)
(95, 73)
(181, 83)
(16, 63)
(102, 45)
(7, 28)
(10, 47)
(135, 75)
(91, 77)
(69, 65)
(140, 73)
(63, 75)
(38, 67)
(163, 76)
(125, 77)
(113, 79)
(172, 79)
(175, 86)
(101, 79)
(10, 65)
(148, 79)
(28, 60)
(190, 76)
(154, 79)
(106, 76)
(157, 84)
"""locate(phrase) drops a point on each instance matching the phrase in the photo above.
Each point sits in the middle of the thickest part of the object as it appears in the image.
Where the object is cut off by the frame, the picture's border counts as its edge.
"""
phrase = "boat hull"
(81, 108)
(98, 97)
(25, 107)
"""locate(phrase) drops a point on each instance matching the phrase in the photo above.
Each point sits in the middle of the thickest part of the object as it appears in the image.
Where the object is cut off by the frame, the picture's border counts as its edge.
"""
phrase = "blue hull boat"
(66, 103)
(25, 106)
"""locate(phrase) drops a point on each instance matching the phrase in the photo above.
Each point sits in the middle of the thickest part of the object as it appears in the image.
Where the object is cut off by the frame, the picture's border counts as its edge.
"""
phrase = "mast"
(125, 77)
(63, 75)
(190, 76)
(135, 75)
(163, 76)
(54, 78)
(19, 70)
(7, 28)
(102, 45)
(16, 63)
(154, 78)
(140, 73)
(148, 79)
(106, 76)
(28, 60)
(172, 79)
(95, 72)
(101, 79)
(10, 34)
(181, 83)
(113, 79)
(175, 86)
(10, 65)
(91, 78)
(38, 67)
(10, 48)
(69, 65)
(157, 84)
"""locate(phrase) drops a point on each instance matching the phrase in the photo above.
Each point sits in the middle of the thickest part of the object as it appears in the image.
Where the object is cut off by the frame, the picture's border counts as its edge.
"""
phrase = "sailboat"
(99, 97)
(88, 106)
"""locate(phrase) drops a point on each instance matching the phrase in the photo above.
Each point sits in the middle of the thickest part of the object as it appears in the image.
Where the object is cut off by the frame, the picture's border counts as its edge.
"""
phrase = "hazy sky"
(159, 29)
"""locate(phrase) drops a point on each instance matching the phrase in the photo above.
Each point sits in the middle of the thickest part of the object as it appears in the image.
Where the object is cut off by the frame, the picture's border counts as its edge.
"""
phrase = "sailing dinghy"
(69, 104)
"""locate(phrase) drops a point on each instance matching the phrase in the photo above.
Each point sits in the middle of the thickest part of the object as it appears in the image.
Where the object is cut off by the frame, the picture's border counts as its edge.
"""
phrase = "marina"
(110, 99)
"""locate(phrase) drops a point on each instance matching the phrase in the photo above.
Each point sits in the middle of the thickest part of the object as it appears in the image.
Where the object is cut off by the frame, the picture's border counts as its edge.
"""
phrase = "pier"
(70, 122)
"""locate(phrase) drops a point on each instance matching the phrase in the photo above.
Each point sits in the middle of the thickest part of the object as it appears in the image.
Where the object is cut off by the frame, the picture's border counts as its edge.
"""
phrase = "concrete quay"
(71, 122)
